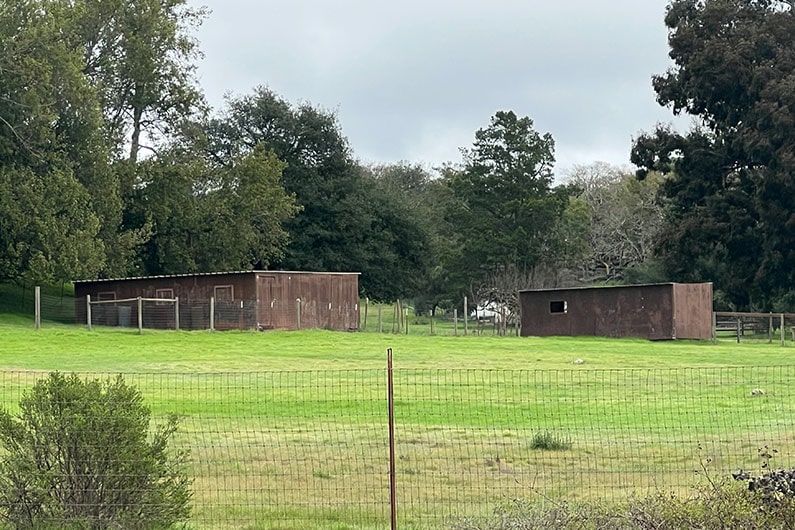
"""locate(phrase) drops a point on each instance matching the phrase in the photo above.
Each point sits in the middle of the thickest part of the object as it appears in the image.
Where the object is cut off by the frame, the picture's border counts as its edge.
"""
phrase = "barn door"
(268, 304)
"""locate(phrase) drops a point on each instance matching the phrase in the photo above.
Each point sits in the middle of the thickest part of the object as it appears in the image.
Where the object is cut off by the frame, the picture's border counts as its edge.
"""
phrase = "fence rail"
(311, 449)
(746, 326)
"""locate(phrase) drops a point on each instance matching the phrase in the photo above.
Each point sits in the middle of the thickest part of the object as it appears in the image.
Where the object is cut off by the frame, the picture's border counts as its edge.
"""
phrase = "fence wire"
(310, 449)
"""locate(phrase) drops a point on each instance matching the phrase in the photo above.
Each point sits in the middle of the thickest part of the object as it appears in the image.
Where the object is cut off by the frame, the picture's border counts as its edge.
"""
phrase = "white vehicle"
(491, 313)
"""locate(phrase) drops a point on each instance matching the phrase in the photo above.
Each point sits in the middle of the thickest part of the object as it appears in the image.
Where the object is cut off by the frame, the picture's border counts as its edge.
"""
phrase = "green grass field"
(288, 429)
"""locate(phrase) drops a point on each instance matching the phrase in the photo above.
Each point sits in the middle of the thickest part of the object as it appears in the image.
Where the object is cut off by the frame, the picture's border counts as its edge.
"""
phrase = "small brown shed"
(655, 311)
(240, 300)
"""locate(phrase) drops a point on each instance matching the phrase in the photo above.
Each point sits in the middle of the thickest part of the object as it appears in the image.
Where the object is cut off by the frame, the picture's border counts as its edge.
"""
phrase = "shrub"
(550, 441)
(726, 506)
(78, 455)
(767, 503)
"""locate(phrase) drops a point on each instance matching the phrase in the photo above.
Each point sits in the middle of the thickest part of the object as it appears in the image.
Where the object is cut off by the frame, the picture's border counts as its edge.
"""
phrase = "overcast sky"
(413, 80)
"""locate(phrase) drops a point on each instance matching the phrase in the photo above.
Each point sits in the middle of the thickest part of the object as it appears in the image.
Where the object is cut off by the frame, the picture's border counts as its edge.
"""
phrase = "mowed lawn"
(287, 429)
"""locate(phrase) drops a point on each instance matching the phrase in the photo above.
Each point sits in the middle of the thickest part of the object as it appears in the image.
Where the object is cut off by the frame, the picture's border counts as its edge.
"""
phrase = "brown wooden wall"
(643, 311)
(327, 300)
(693, 310)
(244, 300)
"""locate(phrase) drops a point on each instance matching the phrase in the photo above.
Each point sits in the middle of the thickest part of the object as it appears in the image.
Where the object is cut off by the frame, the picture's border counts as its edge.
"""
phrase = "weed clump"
(550, 441)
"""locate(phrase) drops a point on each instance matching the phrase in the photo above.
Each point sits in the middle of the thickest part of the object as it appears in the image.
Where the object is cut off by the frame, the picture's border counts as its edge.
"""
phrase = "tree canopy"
(730, 185)
(347, 220)
(112, 164)
(510, 220)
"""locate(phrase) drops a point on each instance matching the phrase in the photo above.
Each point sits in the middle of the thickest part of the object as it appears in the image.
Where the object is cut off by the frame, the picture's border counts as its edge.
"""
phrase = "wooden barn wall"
(260, 299)
(693, 310)
(194, 293)
(631, 311)
(327, 301)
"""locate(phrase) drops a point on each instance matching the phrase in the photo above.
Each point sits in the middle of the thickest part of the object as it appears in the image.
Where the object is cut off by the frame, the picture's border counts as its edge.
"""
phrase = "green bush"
(78, 455)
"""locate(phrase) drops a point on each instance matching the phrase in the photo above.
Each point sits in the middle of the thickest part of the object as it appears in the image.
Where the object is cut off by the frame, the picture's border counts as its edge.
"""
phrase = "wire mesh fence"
(310, 449)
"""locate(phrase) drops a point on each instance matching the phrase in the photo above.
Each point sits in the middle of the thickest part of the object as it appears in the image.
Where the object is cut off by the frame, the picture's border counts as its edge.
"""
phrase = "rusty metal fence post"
(391, 407)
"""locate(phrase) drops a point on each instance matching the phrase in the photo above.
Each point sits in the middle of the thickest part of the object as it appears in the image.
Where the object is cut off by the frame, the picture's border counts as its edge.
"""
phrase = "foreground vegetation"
(708, 507)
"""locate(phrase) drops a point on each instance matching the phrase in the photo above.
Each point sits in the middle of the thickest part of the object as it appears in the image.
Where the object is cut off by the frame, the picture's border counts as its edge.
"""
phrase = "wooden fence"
(754, 325)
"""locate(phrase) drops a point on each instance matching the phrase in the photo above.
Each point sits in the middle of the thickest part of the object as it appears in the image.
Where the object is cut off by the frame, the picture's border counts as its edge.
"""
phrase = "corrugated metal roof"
(194, 274)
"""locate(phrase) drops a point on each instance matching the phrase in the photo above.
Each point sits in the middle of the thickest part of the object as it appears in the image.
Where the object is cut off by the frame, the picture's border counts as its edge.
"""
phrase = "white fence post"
(37, 307)
(176, 313)
(140, 316)
(88, 311)
(466, 315)
(782, 329)
(212, 313)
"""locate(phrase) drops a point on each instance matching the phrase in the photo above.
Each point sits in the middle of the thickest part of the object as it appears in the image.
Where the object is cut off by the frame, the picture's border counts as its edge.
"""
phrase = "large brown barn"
(656, 311)
(240, 300)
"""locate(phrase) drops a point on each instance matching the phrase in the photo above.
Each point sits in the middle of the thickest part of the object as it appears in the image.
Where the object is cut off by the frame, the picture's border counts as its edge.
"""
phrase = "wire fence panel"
(310, 449)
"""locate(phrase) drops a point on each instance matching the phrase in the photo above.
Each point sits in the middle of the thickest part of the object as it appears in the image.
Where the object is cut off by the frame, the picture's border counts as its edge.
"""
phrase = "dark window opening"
(558, 306)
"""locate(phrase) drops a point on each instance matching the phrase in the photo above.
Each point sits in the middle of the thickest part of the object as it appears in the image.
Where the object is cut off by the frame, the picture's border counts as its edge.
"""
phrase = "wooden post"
(430, 313)
(176, 313)
(298, 313)
(212, 313)
(380, 321)
(88, 311)
(714, 326)
(140, 316)
(37, 307)
(466, 315)
(739, 325)
(782, 328)
(770, 329)
(366, 305)
(399, 310)
(406, 319)
(455, 322)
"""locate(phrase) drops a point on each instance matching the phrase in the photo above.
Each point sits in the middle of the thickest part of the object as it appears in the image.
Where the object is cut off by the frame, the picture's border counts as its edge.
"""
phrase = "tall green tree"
(508, 213)
(731, 189)
(207, 218)
(415, 196)
(346, 223)
(50, 148)
(141, 58)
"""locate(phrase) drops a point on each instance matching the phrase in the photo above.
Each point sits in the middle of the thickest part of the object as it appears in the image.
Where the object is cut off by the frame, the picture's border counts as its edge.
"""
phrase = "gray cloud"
(414, 80)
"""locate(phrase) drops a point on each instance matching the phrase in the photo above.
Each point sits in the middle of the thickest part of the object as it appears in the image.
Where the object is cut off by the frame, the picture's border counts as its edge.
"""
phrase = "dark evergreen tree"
(346, 222)
(731, 185)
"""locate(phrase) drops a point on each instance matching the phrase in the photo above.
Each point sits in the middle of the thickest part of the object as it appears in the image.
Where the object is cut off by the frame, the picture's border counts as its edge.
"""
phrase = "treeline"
(112, 164)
